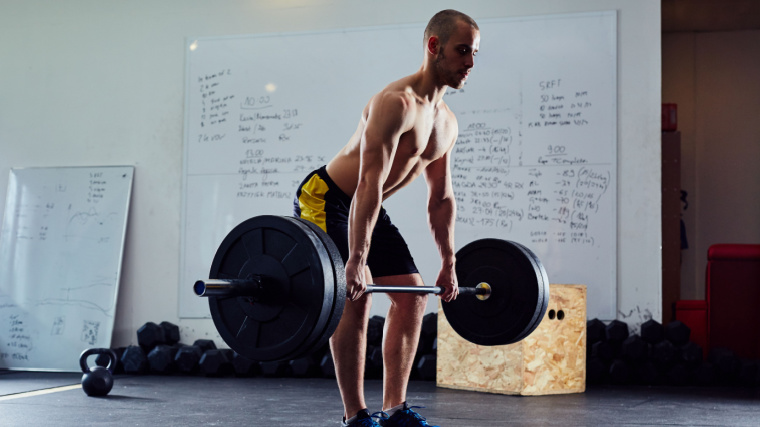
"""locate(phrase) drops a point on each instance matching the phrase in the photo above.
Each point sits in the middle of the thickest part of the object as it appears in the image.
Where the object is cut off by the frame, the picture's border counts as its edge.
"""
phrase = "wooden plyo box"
(551, 360)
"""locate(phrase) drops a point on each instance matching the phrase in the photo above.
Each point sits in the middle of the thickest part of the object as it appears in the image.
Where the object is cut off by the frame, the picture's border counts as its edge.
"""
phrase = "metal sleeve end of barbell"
(485, 293)
(251, 287)
(200, 288)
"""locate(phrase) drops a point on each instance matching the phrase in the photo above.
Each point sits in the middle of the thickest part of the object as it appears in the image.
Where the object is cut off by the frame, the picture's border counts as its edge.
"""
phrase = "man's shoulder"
(398, 101)
(447, 110)
(448, 116)
(399, 90)
(395, 93)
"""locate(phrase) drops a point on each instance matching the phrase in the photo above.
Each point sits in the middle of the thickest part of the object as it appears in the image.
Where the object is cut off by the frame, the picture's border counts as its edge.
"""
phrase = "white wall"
(101, 83)
(713, 78)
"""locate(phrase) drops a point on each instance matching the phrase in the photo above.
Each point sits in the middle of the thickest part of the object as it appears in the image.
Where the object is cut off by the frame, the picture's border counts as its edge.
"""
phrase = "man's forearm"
(441, 217)
(363, 216)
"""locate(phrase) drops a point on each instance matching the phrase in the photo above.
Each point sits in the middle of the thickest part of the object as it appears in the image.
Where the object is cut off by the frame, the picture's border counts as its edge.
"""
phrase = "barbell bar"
(277, 289)
(254, 288)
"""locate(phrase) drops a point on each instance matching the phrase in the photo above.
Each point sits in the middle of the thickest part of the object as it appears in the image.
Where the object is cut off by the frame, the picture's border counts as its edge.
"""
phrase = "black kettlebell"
(97, 381)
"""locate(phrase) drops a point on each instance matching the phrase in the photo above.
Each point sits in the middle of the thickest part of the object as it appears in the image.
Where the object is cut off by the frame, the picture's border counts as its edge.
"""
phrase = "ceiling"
(710, 15)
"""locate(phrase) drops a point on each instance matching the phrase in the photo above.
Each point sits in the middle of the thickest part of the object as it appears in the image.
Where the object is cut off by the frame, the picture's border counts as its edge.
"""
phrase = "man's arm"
(441, 216)
(388, 118)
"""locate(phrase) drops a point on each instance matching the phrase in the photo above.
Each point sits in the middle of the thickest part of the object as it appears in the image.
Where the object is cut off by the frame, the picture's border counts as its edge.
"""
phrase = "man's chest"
(429, 139)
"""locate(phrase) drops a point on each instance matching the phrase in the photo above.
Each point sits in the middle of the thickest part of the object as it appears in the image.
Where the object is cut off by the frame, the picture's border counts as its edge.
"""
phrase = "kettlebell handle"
(90, 351)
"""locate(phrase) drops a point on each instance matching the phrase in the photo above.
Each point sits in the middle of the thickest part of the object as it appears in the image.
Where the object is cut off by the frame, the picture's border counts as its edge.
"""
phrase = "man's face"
(457, 57)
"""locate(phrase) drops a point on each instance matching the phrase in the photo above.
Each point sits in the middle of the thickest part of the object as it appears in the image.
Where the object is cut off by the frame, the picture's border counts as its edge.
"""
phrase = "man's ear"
(433, 44)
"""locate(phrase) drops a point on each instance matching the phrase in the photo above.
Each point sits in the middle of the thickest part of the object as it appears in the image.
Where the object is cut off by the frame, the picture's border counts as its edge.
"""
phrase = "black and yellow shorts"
(320, 201)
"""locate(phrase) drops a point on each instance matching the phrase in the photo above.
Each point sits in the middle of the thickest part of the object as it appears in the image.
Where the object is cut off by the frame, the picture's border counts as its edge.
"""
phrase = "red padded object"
(737, 252)
(733, 298)
(693, 313)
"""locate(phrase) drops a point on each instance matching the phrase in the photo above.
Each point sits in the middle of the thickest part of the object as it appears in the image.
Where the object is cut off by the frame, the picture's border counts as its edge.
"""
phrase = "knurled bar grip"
(437, 290)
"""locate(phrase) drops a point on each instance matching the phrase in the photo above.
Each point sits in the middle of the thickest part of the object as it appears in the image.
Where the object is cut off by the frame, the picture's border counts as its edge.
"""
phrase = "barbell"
(277, 289)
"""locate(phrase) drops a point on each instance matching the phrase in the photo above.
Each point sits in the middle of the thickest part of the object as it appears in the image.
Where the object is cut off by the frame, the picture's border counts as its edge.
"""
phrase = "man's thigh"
(389, 254)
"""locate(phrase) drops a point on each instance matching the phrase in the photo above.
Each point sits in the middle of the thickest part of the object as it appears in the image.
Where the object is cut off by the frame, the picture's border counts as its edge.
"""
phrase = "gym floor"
(42, 399)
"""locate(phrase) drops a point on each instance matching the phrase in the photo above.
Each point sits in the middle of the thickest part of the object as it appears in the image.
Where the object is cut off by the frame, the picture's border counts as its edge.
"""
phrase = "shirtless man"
(405, 130)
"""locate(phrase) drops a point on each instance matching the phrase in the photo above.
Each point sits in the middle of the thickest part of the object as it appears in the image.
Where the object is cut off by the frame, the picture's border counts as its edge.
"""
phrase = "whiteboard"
(535, 159)
(61, 249)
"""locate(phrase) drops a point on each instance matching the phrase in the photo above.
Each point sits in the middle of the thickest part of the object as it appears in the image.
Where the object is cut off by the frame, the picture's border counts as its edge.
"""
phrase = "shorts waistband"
(322, 173)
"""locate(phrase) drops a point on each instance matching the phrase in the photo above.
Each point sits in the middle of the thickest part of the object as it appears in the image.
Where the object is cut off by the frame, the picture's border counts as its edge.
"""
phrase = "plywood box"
(551, 360)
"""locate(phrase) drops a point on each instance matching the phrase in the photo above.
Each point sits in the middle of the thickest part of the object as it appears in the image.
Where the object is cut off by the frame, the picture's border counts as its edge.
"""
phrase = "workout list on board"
(551, 188)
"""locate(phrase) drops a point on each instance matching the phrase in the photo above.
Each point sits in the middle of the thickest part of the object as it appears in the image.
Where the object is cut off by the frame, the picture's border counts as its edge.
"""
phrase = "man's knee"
(358, 309)
(411, 303)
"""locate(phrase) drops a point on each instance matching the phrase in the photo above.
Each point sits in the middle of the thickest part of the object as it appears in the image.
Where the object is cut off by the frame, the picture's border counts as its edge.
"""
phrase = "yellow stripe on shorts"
(312, 201)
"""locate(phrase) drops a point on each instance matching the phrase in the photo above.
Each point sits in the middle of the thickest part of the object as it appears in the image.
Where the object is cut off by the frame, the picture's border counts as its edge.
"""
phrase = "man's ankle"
(391, 411)
(362, 413)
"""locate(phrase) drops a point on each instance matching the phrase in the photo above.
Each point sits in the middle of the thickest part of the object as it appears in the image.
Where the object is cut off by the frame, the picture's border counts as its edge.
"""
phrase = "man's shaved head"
(444, 23)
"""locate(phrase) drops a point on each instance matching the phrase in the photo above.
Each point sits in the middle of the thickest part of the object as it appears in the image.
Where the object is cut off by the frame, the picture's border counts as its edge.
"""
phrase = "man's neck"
(426, 86)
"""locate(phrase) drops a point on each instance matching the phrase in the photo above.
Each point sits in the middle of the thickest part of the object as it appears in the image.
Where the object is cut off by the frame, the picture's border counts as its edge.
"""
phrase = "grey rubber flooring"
(20, 382)
(199, 401)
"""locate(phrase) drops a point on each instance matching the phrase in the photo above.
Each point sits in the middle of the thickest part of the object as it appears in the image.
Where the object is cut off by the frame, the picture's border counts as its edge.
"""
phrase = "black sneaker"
(406, 417)
(364, 419)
